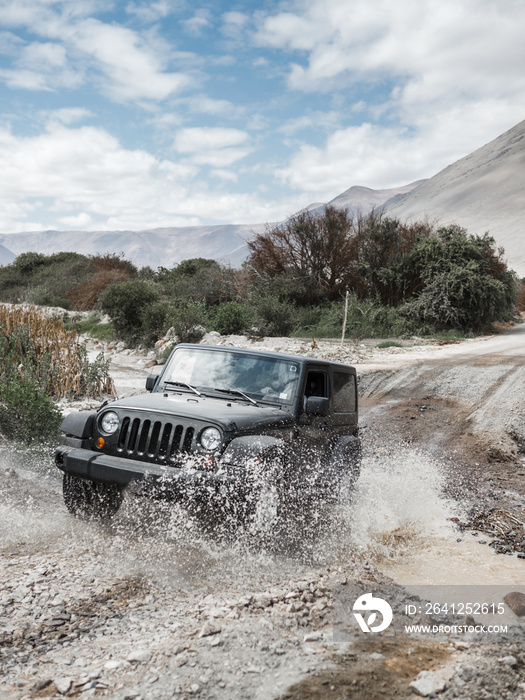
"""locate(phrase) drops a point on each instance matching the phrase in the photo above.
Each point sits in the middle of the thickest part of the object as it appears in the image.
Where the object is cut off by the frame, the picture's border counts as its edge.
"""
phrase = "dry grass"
(35, 343)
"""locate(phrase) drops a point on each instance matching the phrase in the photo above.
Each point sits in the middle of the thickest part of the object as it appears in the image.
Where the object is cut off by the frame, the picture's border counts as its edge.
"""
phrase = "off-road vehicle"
(218, 425)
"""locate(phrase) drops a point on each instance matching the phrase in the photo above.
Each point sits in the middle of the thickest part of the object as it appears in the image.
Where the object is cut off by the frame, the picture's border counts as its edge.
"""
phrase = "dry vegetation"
(38, 344)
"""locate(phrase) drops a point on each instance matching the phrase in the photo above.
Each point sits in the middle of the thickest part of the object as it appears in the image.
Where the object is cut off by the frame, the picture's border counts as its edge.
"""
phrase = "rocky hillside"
(482, 192)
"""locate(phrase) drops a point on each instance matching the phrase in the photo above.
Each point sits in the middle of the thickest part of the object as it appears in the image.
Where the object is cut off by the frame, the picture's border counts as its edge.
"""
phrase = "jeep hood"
(229, 413)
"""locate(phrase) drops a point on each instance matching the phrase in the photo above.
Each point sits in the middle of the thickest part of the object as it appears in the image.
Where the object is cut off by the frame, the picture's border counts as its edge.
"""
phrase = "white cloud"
(68, 115)
(235, 25)
(151, 11)
(449, 77)
(203, 104)
(456, 45)
(314, 120)
(81, 221)
(215, 146)
(197, 139)
(85, 172)
(133, 70)
(223, 174)
(41, 66)
(198, 23)
(379, 157)
(130, 66)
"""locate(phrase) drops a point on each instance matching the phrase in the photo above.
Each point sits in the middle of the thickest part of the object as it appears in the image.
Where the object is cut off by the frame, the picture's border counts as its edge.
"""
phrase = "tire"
(90, 500)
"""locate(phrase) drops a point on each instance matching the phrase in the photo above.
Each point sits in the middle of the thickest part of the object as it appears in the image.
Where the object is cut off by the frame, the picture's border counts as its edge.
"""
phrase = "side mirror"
(151, 380)
(317, 406)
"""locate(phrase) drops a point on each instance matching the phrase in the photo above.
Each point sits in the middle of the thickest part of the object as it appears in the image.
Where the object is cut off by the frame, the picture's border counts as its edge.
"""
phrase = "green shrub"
(273, 317)
(154, 320)
(231, 318)
(188, 320)
(129, 304)
(466, 283)
(27, 414)
(365, 319)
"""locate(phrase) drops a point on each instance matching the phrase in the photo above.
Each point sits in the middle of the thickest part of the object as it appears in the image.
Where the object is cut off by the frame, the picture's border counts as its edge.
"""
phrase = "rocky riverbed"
(154, 605)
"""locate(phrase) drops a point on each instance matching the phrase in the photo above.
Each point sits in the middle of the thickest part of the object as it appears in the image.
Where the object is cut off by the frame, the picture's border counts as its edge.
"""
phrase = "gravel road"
(154, 605)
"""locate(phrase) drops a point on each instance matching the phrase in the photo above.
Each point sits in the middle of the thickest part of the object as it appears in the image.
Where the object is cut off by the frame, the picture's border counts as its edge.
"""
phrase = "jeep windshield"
(231, 375)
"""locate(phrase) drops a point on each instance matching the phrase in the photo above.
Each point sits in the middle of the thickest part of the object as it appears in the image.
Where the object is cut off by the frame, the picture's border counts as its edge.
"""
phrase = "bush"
(27, 414)
(231, 318)
(273, 317)
(365, 319)
(41, 360)
(129, 304)
(188, 320)
(466, 283)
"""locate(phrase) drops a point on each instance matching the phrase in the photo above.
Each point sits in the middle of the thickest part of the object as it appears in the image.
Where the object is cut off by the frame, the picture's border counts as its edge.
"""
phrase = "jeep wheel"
(90, 500)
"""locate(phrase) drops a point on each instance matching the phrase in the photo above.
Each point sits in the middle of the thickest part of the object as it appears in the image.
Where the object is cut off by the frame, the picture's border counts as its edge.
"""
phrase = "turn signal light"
(100, 443)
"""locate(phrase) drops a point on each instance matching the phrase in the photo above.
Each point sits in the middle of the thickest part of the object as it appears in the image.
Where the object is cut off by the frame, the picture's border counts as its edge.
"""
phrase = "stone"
(210, 627)
(508, 660)
(63, 685)
(516, 602)
(428, 683)
(313, 637)
(139, 656)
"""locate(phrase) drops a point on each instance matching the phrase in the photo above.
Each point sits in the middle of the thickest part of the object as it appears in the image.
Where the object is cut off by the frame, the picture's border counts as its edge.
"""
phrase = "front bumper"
(166, 481)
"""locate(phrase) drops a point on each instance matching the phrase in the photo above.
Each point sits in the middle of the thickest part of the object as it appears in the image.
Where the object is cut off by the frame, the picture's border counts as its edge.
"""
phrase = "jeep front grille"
(154, 439)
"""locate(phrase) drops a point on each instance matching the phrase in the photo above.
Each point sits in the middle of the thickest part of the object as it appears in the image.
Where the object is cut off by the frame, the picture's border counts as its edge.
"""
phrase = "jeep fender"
(242, 449)
(79, 425)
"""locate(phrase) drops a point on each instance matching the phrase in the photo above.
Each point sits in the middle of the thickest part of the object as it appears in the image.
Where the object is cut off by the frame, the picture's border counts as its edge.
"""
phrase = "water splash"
(398, 505)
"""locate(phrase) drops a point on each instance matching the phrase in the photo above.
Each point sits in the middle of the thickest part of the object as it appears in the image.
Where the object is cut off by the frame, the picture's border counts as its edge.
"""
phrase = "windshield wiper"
(188, 386)
(237, 392)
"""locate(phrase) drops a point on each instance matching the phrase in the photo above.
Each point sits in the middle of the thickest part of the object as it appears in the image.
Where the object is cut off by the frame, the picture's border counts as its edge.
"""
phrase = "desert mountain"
(156, 247)
(361, 200)
(485, 191)
(167, 246)
(6, 256)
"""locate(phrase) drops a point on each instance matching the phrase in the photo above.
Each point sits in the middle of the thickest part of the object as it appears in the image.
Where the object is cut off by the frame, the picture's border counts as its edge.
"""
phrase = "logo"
(368, 603)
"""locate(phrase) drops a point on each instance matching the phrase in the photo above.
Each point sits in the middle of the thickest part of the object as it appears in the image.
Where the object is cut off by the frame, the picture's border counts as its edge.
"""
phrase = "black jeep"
(219, 423)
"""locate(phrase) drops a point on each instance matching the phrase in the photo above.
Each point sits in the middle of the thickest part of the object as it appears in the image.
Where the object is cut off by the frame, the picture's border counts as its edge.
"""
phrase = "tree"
(129, 303)
(316, 250)
(465, 281)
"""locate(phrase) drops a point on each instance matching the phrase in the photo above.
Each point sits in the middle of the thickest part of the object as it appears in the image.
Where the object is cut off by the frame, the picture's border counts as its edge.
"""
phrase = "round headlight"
(210, 439)
(109, 422)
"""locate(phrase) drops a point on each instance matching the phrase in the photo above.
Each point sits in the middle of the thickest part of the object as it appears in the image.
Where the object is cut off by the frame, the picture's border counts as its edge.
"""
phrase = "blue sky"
(133, 115)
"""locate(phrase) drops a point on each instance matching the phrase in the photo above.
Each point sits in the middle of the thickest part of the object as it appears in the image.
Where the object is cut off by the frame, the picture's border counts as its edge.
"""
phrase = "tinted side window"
(344, 392)
(316, 384)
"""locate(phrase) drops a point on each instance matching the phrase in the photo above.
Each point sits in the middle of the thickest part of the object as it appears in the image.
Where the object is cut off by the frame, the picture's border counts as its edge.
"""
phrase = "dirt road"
(152, 606)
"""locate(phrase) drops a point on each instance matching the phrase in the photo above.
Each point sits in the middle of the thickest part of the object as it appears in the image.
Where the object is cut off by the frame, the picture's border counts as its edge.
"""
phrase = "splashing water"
(398, 504)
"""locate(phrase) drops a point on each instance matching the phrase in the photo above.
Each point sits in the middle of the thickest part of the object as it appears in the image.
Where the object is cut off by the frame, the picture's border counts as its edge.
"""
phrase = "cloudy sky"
(118, 115)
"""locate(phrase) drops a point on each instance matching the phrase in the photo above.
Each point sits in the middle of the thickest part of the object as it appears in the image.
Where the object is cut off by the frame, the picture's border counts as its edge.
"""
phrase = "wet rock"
(516, 602)
(428, 683)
